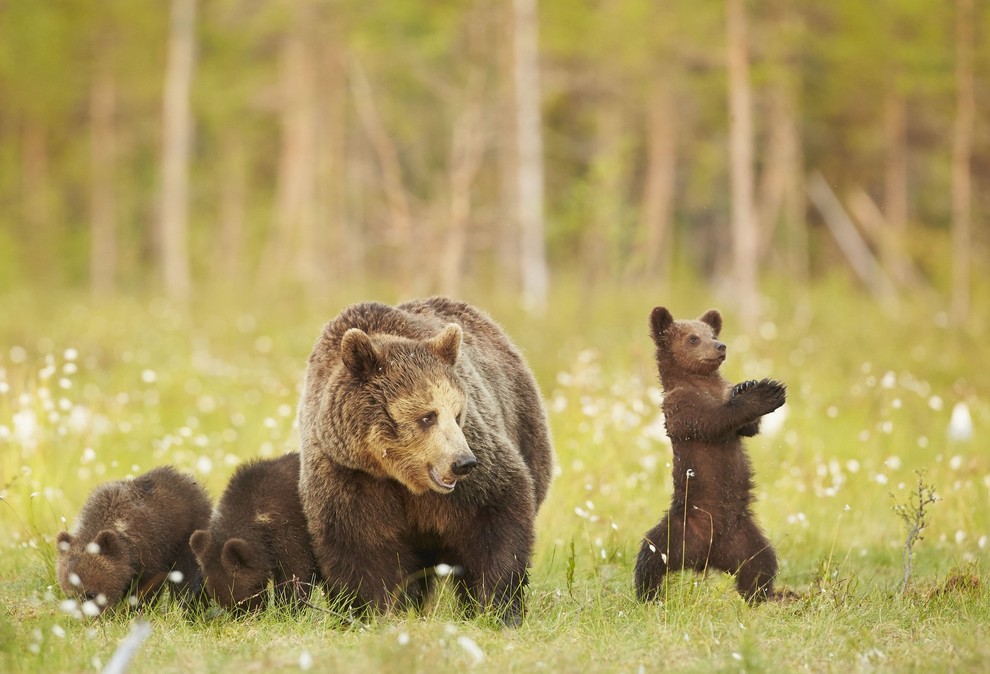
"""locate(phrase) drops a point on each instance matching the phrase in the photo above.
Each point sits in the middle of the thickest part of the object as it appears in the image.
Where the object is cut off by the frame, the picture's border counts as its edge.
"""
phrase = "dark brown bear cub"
(709, 524)
(258, 534)
(424, 441)
(131, 535)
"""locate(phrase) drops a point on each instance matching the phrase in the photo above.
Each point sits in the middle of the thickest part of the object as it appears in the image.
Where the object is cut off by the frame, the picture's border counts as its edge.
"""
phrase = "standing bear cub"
(424, 441)
(258, 534)
(709, 523)
(131, 535)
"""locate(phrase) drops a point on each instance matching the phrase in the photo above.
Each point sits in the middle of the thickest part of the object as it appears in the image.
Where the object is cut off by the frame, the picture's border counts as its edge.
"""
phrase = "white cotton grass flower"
(93, 548)
(90, 609)
(443, 570)
(403, 638)
(305, 661)
(74, 580)
(176, 577)
(472, 648)
(960, 423)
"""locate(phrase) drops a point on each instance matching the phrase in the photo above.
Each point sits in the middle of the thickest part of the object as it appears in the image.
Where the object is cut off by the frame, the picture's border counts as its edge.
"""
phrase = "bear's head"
(235, 571)
(98, 571)
(407, 408)
(685, 346)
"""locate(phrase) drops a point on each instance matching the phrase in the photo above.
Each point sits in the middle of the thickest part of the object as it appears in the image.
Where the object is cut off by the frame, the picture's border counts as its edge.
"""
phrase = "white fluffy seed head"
(101, 600)
(74, 580)
(93, 548)
(443, 570)
(64, 546)
(90, 609)
(175, 577)
(69, 606)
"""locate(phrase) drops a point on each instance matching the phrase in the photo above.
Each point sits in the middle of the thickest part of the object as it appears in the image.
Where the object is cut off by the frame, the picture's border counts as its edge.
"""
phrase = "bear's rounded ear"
(714, 319)
(199, 541)
(447, 344)
(63, 541)
(660, 320)
(358, 354)
(237, 553)
(110, 543)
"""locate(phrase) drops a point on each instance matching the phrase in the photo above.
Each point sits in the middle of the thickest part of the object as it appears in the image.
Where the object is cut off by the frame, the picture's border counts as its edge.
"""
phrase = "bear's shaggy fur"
(709, 523)
(424, 441)
(257, 534)
(130, 535)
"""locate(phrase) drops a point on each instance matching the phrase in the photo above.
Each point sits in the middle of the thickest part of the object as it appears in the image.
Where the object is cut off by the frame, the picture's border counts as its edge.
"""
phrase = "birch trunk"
(962, 148)
(529, 145)
(102, 155)
(745, 233)
(176, 142)
(657, 211)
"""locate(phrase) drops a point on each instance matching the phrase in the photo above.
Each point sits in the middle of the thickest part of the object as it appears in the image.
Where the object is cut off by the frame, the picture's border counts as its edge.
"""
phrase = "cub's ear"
(110, 543)
(447, 344)
(714, 319)
(237, 554)
(660, 320)
(359, 354)
(63, 541)
(199, 541)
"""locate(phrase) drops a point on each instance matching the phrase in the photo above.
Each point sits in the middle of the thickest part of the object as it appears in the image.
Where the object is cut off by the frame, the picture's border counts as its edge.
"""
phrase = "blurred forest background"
(175, 147)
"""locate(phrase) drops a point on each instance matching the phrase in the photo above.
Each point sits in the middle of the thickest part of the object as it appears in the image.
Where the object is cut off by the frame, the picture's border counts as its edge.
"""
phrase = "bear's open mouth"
(440, 482)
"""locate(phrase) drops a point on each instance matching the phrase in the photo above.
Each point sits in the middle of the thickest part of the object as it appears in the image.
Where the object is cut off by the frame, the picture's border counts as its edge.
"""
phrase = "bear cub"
(130, 536)
(258, 534)
(709, 523)
(424, 442)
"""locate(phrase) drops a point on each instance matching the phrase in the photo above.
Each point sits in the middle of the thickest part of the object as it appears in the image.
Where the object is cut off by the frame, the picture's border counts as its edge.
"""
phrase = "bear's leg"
(652, 561)
(675, 544)
(496, 551)
(361, 576)
(749, 555)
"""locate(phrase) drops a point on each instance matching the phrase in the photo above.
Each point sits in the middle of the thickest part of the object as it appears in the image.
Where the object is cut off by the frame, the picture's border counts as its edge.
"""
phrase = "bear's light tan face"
(429, 444)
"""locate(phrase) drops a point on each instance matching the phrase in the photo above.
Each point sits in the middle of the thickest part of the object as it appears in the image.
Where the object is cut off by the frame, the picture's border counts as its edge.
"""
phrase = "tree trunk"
(508, 237)
(962, 148)
(656, 216)
(102, 153)
(745, 233)
(895, 171)
(467, 148)
(176, 145)
(36, 181)
(290, 251)
(396, 197)
(230, 251)
(529, 144)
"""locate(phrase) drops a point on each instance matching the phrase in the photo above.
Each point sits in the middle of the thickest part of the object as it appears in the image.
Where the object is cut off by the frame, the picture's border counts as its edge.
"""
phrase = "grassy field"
(96, 392)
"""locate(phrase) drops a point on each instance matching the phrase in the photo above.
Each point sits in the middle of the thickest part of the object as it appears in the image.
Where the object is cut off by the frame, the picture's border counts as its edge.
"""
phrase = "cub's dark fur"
(258, 534)
(130, 535)
(709, 524)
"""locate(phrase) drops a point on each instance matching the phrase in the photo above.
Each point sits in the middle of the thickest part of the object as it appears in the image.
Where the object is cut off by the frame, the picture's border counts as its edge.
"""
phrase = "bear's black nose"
(463, 465)
(720, 346)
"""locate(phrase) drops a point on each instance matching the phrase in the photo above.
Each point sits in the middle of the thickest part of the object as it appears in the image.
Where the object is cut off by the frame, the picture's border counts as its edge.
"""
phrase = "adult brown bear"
(424, 441)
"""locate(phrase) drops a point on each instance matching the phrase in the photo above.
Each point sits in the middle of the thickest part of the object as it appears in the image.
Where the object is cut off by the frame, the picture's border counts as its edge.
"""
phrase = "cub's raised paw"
(743, 386)
(772, 393)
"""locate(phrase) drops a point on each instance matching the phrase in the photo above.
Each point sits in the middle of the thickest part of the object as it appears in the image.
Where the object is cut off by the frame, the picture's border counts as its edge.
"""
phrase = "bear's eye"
(427, 420)
(694, 339)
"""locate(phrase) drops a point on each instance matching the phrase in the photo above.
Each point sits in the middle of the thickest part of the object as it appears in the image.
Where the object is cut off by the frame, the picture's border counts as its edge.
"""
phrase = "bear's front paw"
(772, 394)
(743, 386)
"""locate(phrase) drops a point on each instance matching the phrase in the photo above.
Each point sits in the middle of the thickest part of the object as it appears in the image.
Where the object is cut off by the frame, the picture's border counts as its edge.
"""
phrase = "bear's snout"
(720, 347)
(463, 464)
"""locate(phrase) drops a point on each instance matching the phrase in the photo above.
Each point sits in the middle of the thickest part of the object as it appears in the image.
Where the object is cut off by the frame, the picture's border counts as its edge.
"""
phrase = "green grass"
(95, 392)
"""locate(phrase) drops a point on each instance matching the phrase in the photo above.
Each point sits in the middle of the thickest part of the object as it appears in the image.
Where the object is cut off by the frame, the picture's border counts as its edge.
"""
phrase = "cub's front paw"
(771, 393)
(743, 386)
